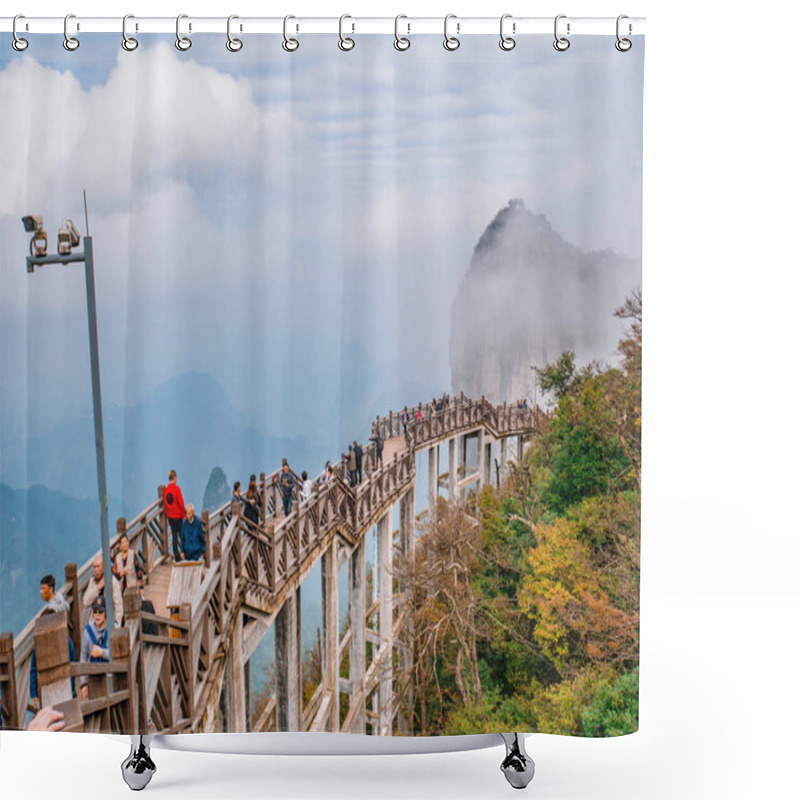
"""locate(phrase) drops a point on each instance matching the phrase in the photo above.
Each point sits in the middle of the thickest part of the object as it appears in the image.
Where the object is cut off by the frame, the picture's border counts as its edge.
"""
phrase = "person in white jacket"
(96, 587)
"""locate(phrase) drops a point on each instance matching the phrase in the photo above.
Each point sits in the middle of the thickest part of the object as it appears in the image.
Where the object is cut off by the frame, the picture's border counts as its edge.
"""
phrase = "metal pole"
(102, 493)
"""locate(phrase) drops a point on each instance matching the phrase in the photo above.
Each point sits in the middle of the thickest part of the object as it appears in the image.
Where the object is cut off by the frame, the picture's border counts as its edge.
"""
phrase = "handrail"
(257, 561)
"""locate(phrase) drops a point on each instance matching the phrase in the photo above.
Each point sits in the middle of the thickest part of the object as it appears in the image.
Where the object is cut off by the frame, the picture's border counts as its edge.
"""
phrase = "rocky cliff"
(528, 296)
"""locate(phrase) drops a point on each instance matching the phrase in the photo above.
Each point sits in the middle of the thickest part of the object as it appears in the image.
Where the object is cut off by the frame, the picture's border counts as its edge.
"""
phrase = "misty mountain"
(42, 531)
(187, 424)
(528, 296)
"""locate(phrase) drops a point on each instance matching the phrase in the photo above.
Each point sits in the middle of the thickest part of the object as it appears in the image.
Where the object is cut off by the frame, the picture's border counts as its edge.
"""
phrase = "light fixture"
(68, 237)
(33, 224)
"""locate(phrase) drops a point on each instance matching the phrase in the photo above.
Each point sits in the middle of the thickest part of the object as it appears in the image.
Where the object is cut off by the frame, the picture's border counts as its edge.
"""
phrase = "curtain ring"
(623, 45)
(70, 42)
(19, 44)
(289, 45)
(506, 42)
(400, 42)
(129, 43)
(233, 44)
(345, 42)
(561, 43)
(451, 42)
(181, 42)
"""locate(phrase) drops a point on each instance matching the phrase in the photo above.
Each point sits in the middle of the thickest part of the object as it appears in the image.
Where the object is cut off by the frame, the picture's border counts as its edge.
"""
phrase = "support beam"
(433, 477)
(482, 460)
(452, 472)
(238, 707)
(330, 633)
(407, 522)
(287, 663)
(358, 636)
(520, 446)
(503, 458)
(387, 639)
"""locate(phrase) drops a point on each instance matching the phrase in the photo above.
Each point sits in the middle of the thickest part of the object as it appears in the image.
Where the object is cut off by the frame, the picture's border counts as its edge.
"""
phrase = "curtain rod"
(461, 26)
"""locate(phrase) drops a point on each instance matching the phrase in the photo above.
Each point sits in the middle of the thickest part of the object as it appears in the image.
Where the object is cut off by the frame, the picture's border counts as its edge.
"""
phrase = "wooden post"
(330, 633)
(264, 504)
(503, 457)
(207, 529)
(75, 631)
(185, 615)
(286, 663)
(237, 710)
(433, 478)
(385, 623)
(9, 713)
(123, 681)
(132, 603)
(357, 633)
(162, 522)
(51, 642)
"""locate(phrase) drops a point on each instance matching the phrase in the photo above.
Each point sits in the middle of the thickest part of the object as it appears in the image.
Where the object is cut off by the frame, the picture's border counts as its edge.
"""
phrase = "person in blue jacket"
(193, 537)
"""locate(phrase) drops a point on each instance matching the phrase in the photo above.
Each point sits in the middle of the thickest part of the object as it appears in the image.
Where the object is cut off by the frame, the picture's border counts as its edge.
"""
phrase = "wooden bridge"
(190, 671)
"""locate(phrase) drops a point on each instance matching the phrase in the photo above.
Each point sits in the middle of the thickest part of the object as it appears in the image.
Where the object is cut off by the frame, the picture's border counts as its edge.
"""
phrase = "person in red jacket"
(176, 511)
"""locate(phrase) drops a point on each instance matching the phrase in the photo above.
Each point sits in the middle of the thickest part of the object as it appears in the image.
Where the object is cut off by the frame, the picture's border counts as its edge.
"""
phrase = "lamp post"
(535, 382)
(39, 258)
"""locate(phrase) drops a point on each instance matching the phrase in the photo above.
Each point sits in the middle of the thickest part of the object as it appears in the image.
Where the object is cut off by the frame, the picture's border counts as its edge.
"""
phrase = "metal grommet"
(451, 42)
(70, 42)
(289, 45)
(233, 44)
(400, 42)
(345, 42)
(623, 45)
(183, 43)
(507, 42)
(19, 44)
(128, 42)
(561, 43)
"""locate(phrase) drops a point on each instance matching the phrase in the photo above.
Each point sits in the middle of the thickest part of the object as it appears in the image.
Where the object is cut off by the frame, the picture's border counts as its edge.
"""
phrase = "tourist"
(95, 591)
(252, 501)
(94, 645)
(237, 501)
(406, 419)
(49, 595)
(378, 439)
(175, 510)
(351, 466)
(193, 537)
(359, 451)
(286, 483)
(308, 487)
(47, 720)
(125, 564)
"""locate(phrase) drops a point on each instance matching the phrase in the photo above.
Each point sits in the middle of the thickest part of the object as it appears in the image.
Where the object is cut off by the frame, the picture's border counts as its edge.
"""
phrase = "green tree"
(615, 709)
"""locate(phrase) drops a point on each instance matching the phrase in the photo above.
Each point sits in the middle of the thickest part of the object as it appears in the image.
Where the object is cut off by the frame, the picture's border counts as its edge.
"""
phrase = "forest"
(522, 606)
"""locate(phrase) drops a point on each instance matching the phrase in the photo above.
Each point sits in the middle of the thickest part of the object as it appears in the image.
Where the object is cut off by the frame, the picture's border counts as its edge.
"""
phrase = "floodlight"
(32, 222)
(68, 237)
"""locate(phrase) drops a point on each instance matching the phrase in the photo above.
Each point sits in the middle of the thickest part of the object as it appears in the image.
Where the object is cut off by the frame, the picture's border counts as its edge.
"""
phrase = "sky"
(296, 225)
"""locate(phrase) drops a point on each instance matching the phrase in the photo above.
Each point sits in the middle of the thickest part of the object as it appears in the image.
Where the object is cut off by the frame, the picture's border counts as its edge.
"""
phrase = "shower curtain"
(369, 331)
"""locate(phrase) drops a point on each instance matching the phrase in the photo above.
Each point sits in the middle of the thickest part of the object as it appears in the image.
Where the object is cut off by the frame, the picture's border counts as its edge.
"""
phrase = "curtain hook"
(181, 42)
(561, 43)
(345, 42)
(451, 42)
(507, 42)
(233, 44)
(289, 45)
(623, 45)
(70, 42)
(129, 43)
(19, 44)
(400, 42)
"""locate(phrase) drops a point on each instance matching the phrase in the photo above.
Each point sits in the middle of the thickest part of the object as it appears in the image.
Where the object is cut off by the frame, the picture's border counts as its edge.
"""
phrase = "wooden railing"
(247, 564)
